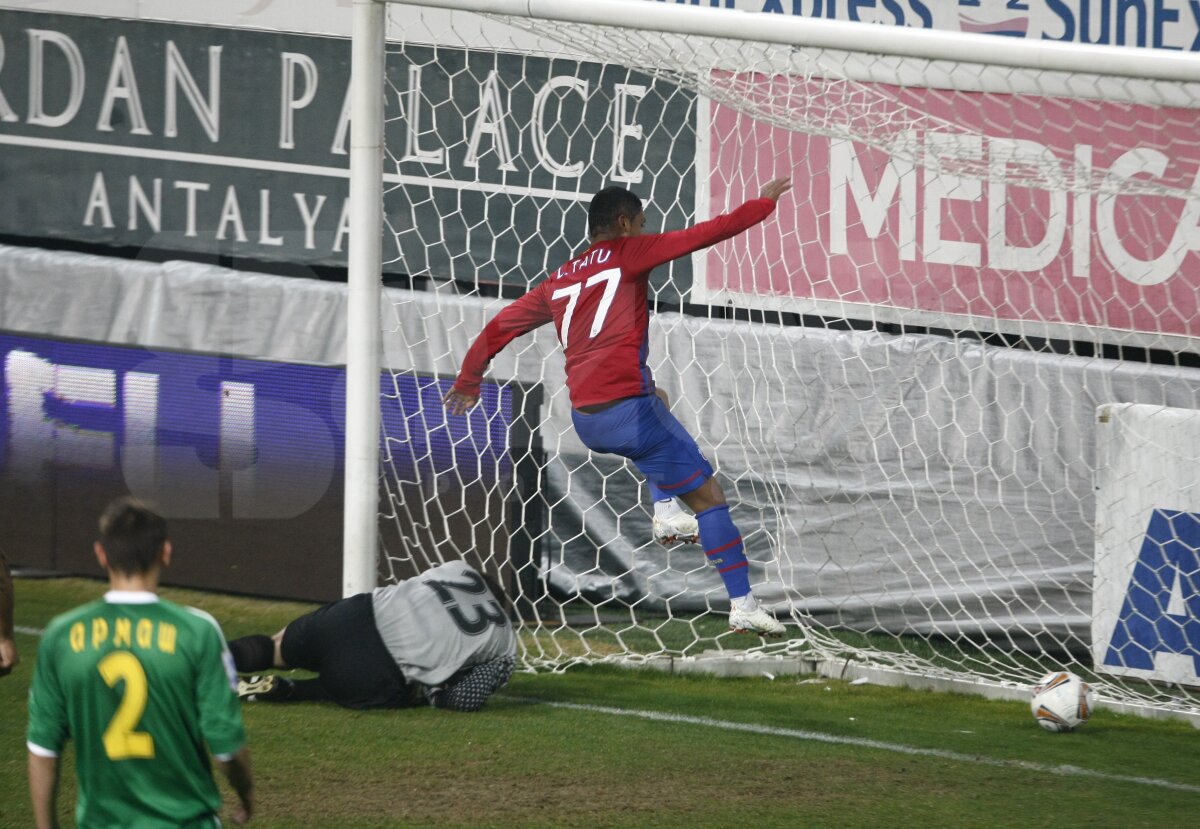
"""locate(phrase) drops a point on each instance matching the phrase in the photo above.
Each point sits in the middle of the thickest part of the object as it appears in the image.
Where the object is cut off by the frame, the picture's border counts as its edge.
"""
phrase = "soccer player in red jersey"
(598, 304)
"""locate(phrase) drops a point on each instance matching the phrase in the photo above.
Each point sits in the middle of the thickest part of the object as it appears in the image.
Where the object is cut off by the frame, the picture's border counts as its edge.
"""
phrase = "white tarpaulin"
(887, 482)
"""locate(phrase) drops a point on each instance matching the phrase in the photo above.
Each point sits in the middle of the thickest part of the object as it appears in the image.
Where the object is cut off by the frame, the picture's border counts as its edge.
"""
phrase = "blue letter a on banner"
(1169, 561)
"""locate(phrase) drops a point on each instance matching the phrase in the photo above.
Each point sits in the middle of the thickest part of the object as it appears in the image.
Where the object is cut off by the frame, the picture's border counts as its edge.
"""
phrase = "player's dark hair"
(132, 534)
(609, 205)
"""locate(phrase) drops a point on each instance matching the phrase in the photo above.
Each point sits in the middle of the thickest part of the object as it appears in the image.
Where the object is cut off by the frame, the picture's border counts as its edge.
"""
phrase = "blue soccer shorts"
(643, 430)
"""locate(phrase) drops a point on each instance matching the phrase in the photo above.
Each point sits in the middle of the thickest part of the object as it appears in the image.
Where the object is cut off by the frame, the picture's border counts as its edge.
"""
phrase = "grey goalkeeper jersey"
(442, 621)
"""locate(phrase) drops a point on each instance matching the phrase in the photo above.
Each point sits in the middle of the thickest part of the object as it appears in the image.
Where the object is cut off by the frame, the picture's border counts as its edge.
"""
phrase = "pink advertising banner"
(913, 237)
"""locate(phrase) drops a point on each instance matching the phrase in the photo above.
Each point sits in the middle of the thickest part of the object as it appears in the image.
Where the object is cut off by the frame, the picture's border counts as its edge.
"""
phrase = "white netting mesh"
(917, 496)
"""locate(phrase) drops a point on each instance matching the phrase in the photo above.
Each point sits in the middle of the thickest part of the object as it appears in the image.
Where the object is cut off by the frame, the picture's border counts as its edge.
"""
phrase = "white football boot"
(674, 526)
(259, 688)
(745, 616)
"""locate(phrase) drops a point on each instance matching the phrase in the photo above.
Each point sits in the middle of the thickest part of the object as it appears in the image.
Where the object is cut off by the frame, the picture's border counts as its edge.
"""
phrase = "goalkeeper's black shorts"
(340, 642)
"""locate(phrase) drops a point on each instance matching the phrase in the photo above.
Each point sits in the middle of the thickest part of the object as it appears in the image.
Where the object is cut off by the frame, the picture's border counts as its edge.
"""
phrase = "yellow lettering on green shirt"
(123, 633)
(166, 637)
(99, 632)
(78, 637)
(145, 633)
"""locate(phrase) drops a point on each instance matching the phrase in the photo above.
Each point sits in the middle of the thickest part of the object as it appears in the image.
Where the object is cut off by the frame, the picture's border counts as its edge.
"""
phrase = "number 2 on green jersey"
(121, 739)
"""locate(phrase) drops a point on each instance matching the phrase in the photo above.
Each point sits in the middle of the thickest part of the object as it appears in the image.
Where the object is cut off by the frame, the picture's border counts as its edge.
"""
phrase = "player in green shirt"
(141, 685)
(8, 647)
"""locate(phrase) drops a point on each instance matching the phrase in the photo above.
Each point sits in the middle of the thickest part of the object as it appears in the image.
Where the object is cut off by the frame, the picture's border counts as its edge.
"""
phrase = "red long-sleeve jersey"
(597, 302)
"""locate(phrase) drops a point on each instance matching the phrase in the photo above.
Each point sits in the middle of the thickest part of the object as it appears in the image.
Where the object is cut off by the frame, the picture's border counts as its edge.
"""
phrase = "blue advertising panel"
(1161, 611)
(245, 454)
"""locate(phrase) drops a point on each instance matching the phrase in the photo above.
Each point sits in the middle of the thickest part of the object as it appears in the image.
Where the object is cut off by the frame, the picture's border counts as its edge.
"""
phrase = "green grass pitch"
(606, 747)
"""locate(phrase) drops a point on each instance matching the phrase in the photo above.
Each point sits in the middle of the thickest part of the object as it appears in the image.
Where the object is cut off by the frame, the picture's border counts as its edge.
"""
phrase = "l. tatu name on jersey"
(597, 256)
(123, 633)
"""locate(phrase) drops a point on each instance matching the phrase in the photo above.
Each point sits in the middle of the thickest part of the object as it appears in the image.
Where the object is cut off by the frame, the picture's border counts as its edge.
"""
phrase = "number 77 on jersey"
(598, 302)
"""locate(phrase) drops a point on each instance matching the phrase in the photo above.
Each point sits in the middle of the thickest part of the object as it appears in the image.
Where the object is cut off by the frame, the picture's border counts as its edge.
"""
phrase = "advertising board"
(1146, 584)
(243, 457)
(233, 142)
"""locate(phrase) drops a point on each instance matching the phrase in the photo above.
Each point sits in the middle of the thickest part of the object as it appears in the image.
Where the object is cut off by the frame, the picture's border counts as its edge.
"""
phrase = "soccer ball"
(1061, 701)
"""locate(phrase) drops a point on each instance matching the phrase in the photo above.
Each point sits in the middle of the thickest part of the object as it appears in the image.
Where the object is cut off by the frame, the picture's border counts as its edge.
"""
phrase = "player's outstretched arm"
(647, 252)
(520, 317)
(43, 787)
(459, 402)
(237, 771)
(774, 189)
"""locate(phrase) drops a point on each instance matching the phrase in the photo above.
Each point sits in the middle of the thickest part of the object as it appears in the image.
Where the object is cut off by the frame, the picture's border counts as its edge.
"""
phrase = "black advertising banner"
(235, 142)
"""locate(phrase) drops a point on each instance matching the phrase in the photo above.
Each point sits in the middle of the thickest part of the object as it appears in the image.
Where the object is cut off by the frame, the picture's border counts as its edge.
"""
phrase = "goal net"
(897, 376)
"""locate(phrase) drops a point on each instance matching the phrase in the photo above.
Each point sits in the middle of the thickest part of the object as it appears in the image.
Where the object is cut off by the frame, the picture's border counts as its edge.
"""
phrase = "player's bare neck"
(136, 582)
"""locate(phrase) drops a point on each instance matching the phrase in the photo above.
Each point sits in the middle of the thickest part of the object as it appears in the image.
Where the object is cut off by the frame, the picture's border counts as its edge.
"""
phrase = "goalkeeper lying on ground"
(442, 637)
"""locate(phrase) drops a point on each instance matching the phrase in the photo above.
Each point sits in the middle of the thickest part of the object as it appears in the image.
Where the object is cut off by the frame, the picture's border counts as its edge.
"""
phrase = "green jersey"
(141, 685)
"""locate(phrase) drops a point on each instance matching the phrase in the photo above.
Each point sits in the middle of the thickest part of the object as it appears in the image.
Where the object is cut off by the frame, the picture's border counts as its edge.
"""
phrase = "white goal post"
(896, 376)
(360, 527)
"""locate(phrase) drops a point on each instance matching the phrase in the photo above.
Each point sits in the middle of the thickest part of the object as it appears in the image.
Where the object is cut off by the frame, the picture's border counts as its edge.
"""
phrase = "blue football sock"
(723, 546)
